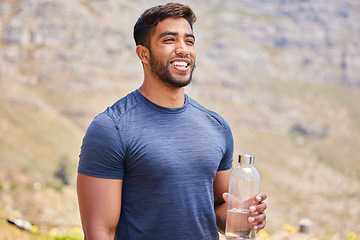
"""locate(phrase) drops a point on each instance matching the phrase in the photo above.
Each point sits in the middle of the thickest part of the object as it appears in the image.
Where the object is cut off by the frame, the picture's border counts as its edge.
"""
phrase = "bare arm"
(221, 186)
(100, 205)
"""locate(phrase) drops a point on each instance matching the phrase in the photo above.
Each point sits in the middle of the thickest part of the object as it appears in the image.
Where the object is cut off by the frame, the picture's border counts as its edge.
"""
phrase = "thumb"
(225, 196)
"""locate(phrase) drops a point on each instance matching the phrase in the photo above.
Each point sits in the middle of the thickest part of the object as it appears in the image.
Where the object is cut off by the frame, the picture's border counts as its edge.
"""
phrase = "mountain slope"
(285, 75)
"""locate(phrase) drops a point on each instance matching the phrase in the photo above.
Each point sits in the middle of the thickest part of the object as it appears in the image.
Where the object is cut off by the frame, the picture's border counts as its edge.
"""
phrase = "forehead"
(178, 25)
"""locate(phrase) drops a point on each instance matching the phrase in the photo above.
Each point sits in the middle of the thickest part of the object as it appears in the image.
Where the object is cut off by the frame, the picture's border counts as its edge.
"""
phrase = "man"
(156, 164)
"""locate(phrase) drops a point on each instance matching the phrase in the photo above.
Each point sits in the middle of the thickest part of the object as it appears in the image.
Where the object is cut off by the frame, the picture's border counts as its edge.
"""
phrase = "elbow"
(220, 212)
(99, 233)
(220, 220)
(220, 225)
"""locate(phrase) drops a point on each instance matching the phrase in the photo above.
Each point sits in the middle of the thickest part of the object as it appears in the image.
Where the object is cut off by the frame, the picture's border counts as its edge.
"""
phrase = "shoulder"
(123, 106)
(216, 116)
(107, 121)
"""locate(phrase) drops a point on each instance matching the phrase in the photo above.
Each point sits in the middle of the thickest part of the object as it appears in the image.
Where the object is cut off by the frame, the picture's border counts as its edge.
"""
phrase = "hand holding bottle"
(245, 205)
(257, 219)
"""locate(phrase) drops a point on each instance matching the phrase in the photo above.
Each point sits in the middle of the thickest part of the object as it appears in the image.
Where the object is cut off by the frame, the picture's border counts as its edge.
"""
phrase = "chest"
(174, 147)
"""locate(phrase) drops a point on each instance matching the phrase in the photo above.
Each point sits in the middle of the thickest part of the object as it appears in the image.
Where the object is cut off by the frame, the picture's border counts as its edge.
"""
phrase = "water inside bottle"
(240, 228)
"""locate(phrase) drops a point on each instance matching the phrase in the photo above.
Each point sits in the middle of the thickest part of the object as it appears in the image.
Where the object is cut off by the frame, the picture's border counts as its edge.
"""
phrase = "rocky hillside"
(284, 73)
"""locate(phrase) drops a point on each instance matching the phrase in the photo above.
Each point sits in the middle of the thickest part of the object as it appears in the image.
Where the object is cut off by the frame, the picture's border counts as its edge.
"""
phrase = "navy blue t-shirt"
(167, 159)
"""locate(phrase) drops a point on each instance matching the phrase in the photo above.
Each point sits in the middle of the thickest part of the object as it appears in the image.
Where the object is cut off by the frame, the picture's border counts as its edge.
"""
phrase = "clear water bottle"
(244, 185)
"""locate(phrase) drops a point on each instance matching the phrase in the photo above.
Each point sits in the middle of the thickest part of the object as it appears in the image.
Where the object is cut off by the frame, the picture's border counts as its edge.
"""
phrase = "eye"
(190, 41)
(169, 40)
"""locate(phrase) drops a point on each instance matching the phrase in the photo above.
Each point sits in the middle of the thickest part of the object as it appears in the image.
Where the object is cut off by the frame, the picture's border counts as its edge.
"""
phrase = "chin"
(179, 84)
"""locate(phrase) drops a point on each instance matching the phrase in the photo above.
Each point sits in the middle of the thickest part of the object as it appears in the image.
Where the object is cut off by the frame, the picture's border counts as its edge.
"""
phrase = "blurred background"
(285, 74)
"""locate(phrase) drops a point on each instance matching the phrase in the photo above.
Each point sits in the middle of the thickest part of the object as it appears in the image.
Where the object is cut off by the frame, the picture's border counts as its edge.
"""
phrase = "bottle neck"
(245, 164)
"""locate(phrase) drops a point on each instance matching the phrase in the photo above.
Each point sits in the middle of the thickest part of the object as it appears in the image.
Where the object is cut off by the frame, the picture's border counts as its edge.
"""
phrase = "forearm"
(220, 212)
(99, 234)
(221, 186)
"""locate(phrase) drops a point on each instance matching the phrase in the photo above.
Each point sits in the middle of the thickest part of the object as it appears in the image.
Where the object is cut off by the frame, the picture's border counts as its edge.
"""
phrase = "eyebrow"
(175, 34)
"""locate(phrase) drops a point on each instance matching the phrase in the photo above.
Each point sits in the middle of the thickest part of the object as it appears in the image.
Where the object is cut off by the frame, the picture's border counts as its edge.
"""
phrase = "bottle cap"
(246, 159)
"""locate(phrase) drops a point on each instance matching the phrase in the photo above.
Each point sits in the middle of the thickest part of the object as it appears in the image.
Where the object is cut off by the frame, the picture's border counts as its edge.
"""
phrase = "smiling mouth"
(181, 64)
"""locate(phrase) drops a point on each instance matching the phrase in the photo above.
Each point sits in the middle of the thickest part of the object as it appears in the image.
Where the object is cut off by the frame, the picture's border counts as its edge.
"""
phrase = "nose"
(182, 49)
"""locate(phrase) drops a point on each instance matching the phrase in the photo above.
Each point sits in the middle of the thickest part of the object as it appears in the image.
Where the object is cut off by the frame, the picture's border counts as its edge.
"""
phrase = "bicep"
(221, 185)
(100, 205)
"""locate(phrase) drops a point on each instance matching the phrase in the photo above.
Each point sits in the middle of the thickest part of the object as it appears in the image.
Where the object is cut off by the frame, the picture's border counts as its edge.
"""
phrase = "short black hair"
(147, 22)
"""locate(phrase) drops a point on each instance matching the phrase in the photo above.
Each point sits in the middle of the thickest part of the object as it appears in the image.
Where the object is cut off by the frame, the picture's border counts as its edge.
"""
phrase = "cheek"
(165, 54)
(193, 54)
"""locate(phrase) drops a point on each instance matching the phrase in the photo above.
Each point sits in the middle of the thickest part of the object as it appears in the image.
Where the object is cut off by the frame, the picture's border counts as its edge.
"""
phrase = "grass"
(10, 232)
(287, 231)
(34, 137)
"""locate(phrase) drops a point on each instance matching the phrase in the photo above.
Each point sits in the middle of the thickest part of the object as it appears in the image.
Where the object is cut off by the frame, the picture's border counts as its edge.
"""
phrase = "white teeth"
(183, 64)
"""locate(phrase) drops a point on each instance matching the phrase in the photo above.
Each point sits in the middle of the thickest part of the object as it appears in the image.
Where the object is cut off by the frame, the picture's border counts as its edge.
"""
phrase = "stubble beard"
(162, 71)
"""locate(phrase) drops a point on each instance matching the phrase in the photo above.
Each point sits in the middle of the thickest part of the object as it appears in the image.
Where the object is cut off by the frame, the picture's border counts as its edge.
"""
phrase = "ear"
(143, 54)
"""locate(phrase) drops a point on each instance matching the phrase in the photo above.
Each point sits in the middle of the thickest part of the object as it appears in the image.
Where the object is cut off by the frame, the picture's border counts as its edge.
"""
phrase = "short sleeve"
(102, 152)
(226, 162)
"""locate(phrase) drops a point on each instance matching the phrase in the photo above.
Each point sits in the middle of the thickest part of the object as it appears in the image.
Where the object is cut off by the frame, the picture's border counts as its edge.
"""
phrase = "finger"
(261, 207)
(258, 220)
(261, 197)
(258, 208)
(261, 217)
(260, 226)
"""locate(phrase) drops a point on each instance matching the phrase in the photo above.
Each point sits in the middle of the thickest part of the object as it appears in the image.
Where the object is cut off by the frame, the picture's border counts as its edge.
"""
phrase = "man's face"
(172, 52)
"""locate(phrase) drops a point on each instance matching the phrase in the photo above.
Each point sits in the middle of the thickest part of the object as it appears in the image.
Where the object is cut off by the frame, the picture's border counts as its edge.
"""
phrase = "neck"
(163, 95)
